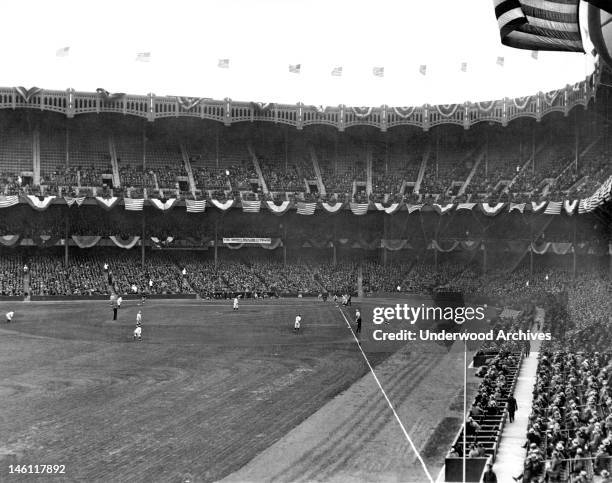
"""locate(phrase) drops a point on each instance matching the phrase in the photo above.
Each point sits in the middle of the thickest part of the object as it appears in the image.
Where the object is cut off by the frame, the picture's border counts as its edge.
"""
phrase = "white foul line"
(387, 398)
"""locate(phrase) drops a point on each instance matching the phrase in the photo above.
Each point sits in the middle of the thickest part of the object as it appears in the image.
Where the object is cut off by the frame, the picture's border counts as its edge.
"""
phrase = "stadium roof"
(64, 44)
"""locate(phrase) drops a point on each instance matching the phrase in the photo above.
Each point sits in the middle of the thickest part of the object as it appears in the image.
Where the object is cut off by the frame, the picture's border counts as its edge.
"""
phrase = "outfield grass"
(205, 392)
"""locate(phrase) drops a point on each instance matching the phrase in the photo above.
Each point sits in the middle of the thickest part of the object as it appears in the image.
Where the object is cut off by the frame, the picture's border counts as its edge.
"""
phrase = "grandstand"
(178, 205)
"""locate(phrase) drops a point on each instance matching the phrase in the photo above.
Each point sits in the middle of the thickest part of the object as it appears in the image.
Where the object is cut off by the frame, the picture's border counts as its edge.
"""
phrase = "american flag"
(423, 70)
(6, 201)
(553, 208)
(465, 206)
(359, 208)
(295, 68)
(500, 61)
(413, 208)
(539, 24)
(306, 208)
(223, 64)
(195, 206)
(378, 71)
(336, 71)
(251, 206)
(71, 201)
(143, 57)
(63, 52)
(132, 204)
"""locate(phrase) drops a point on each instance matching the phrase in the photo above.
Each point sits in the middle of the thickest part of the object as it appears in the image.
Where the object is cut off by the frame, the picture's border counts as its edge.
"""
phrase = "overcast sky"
(262, 37)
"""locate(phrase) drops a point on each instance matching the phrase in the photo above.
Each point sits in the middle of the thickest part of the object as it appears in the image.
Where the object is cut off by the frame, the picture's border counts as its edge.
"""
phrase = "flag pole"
(464, 402)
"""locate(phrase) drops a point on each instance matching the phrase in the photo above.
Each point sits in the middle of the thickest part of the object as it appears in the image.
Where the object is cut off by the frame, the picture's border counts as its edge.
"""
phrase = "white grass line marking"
(387, 399)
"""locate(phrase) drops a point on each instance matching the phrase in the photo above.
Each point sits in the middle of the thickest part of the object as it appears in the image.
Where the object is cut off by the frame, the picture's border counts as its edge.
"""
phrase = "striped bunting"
(517, 206)
(359, 208)
(442, 209)
(389, 210)
(465, 206)
(107, 203)
(570, 206)
(539, 24)
(195, 206)
(71, 201)
(222, 205)
(6, 201)
(535, 207)
(251, 206)
(164, 206)
(332, 208)
(278, 209)
(132, 204)
(489, 210)
(582, 207)
(553, 208)
(38, 204)
(306, 208)
(413, 208)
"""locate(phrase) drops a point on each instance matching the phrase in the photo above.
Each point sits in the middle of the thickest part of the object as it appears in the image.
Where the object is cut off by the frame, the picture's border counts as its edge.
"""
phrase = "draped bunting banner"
(126, 243)
(278, 209)
(517, 246)
(570, 206)
(465, 206)
(27, 94)
(447, 110)
(517, 206)
(368, 245)
(86, 241)
(470, 244)
(132, 204)
(413, 208)
(251, 206)
(167, 241)
(318, 243)
(442, 209)
(9, 240)
(561, 248)
(6, 201)
(521, 102)
(436, 246)
(404, 112)
(262, 106)
(394, 245)
(489, 210)
(107, 203)
(583, 206)
(361, 112)
(164, 206)
(195, 206)
(234, 246)
(108, 97)
(43, 241)
(332, 208)
(359, 208)
(188, 103)
(485, 106)
(222, 205)
(556, 248)
(549, 97)
(389, 209)
(38, 204)
(553, 208)
(276, 242)
(71, 201)
(306, 208)
(535, 207)
(601, 195)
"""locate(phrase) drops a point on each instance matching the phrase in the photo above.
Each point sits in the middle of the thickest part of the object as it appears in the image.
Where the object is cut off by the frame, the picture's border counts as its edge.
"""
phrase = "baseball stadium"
(203, 289)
